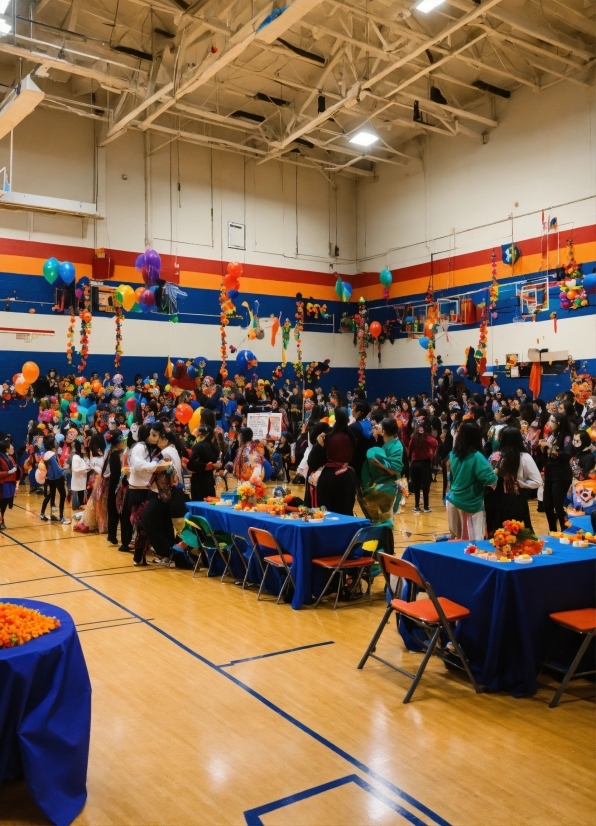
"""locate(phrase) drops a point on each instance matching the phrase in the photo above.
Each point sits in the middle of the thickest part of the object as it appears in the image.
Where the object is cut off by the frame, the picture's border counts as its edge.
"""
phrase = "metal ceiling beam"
(437, 108)
(558, 39)
(511, 74)
(293, 13)
(499, 34)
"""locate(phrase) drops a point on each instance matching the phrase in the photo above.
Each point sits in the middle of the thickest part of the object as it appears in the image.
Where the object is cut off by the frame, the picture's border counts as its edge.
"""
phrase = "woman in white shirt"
(141, 467)
(80, 467)
(517, 473)
(157, 516)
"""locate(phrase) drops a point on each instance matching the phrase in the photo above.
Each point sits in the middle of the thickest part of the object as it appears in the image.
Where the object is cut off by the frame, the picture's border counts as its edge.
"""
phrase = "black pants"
(157, 524)
(113, 517)
(420, 472)
(444, 474)
(555, 492)
(54, 485)
(125, 523)
(137, 500)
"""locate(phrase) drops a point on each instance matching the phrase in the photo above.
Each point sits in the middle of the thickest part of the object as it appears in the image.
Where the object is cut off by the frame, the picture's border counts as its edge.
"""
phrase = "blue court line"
(259, 697)
(276, 653)
(253, 816)
(124, 624)
(35, 579)
(55, 593)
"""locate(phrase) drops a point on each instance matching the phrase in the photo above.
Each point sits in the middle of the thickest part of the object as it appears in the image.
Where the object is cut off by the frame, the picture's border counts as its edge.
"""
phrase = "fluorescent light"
(427, 5)
(5, 28)
(4, 5)
(364, 138)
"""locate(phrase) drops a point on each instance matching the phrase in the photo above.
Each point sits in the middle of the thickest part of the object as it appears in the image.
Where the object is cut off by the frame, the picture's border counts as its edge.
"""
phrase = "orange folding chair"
(434, 615)
(583, 622)
(262, 542)
(357, 566)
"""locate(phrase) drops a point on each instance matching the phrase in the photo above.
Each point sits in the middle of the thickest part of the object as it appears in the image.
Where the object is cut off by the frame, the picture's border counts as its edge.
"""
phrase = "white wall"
(460, 197)
(292, 214)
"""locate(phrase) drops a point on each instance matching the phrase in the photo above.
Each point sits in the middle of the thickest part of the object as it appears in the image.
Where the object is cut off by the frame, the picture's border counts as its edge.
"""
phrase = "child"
(55, 483)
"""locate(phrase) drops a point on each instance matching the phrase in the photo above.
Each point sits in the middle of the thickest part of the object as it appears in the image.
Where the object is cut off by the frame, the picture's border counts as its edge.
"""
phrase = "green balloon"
(64, 404)
(135, 308)
(174, 319)
(129, 395)
(129, 419)
(51, 270)
(339, 287)
(385, 277)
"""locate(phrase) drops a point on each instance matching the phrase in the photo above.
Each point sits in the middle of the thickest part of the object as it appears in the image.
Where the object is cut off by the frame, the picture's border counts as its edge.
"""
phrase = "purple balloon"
(152, 276)
(152, 260)
(140, 262)
(565, 303)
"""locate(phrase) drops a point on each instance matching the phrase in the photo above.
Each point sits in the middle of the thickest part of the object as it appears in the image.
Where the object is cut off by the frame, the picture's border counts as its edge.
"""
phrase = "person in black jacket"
(557, 471)
(204, 459)
(116, 444)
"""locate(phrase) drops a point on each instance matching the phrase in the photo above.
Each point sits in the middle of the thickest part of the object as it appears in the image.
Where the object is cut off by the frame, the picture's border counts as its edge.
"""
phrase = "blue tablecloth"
(305, 541)
(579, 522)
(45, 717)
(506, 637)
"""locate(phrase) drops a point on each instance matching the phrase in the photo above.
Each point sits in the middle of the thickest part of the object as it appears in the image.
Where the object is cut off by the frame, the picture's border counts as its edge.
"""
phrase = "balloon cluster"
(386, 280)
(361, 321)
(22, 381)
(59, 274)
(230, 286)
(343, 289)
(148, 264)
(246, 360)
(575, 288)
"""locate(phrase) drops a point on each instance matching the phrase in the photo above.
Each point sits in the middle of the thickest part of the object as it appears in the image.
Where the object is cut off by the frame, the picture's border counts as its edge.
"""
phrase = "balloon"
(86, 316)
(82, 411)
(150, 276)
(347, 291)
(191, 371)
(138, 293)
(462, 371)
(51, 270)
(246, 360)
(195, 420)
(140, 262)
(152, 260)
(590, 283)
(97, 387)
(375, 329)
(232, 294)
(84, 402)
(147, 299)
(268, 470)
(72, 407)
(67, 272)
(565, 304)
(129, 404)
(21, 385)
(183, 413)
(308, 394)
(385, 277)
(128, 297)
(562, 295)
(30, 371)
(91, 410)
(229, 281)
(424, 342)
(201, 362)
(40, 476)
(339, 287)
(64, 405)
(235, 269)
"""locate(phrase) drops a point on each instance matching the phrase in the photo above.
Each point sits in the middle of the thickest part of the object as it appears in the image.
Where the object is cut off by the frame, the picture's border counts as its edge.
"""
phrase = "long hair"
(543, 416)
(511, 446)
(563, 429)
(468, 440)
(418, 439)
(341, 425)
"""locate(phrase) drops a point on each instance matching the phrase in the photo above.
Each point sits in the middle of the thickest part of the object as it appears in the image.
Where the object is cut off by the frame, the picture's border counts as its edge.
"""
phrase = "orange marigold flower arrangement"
(19, 625)
(514, 539)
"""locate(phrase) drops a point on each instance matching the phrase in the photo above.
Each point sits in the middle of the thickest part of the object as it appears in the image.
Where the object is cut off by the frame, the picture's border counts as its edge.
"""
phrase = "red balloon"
(235, 269)
(73, 407)
(229, 281)
(375, 329)
(130, 404)
(183, 413)
(148, 298)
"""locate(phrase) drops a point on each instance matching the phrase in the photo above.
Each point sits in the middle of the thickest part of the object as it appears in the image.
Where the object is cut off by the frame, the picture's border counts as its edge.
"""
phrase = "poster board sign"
(265, 425)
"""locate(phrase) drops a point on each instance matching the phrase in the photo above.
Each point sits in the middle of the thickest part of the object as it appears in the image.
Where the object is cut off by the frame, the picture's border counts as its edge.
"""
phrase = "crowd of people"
(128, 472)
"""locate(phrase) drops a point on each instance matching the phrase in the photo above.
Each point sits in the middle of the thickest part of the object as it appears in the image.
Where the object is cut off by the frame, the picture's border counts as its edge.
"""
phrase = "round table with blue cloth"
(45, 716)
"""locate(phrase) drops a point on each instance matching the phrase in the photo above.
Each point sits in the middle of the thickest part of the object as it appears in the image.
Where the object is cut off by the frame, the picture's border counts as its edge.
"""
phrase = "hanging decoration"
(316, 310)
(285, 340)
(70, 334)
(315, 369)
(230, 284)
(254, 325)
(223, 323)
(86, 318)
(572, 293)
(386, 279)
(361, 321)
(169, 300)
(480, 354)
(510, 253)
(493, 292)
(298, 330)
(118, 319)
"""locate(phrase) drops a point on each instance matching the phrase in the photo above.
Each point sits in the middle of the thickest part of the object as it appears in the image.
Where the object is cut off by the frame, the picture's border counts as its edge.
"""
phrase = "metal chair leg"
(324, 591)
(373, 643)
(464, 660)
(262, 581)
(423, 664)
(572, 669)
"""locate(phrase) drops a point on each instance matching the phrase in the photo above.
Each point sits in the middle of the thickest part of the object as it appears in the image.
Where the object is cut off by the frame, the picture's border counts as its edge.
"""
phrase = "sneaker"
(77, 516)
(44, 517)
(415, 510)
(54, 518)
(160, 560)
(54, 509)
(428, 510)
(64, 521)
(2, 526)
(39, 492)
(113, 541)
(126, 550)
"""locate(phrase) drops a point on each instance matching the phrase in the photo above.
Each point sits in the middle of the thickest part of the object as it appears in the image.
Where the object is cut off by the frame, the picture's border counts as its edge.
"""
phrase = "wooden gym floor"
(211, 708)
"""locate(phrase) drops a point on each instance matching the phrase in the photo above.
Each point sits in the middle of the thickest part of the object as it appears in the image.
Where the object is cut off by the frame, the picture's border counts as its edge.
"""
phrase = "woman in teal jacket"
(470, 474)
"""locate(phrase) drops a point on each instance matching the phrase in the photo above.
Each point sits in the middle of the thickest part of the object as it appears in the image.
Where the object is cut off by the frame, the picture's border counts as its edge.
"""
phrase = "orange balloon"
(80, 380)
(138, 293)
(21, 385)
(97, 387)
(235, 269)
(183, 413)
(308, 394)
(375, 329)
(30, 371)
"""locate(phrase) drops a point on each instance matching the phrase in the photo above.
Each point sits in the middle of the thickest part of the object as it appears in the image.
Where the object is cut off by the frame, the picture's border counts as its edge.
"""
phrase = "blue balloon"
(82, 411)
(67, 272)
(84, 402)
(232, 294)
(347, 288)
(268, 470)
(246, 360)
(200, 362)
(409, 319)
(424, 342)
(91, 410)
(194, 404)
(589, 283)
(191, 371)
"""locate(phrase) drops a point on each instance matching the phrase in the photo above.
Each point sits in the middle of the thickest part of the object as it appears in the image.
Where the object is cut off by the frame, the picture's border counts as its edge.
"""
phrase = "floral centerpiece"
(250, 493)
(511, 541)
(19, 625)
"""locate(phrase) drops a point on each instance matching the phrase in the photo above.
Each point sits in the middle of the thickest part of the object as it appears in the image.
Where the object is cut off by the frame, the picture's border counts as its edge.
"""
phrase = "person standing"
(141, 467)
(470, 474)
(557, 449)
(335, 487)
(204, 459)
(10, 473)
(114, 466)
(517, 474)
(79, 467)
(54, 483)
(421, 450)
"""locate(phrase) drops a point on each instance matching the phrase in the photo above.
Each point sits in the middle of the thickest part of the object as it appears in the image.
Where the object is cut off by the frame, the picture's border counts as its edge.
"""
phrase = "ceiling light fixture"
(5, 28)
(427, 5)
(365, 137)
(4, 5)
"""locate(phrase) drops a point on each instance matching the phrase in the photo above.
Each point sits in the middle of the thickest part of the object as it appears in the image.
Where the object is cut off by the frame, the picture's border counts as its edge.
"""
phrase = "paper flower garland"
(285, 340)
(70, 338)
(118, 319)
(86, 318)
(480, 354)
(361, 336)
(223, 323)
(493, 293)
(298, 329)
